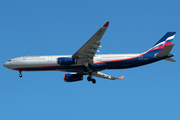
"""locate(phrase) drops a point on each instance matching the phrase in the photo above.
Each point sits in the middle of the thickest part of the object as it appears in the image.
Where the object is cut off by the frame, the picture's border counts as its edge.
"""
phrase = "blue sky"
(40, 27)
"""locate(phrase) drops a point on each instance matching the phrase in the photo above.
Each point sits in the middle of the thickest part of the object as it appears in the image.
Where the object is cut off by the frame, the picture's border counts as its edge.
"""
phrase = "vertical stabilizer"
(163, 42)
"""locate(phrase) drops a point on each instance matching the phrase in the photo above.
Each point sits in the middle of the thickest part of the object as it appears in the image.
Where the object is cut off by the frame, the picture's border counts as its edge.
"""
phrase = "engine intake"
(72, 77)
(66, 61)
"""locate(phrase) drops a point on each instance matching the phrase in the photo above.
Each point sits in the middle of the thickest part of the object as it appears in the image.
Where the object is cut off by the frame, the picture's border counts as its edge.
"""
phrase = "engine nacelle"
(72, 77)
(66, 61)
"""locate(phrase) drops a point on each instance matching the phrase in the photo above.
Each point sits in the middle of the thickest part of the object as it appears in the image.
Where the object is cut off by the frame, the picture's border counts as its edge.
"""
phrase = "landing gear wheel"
(93, 81)
(20, 75)
(89, 79)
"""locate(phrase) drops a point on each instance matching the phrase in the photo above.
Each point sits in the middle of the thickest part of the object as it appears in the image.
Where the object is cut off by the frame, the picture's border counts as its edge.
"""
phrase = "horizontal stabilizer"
(169, 59)
(165, 51)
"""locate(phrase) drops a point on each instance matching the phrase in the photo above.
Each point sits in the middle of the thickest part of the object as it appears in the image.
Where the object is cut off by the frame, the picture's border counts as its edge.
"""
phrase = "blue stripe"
(169, 40)
(168, 34)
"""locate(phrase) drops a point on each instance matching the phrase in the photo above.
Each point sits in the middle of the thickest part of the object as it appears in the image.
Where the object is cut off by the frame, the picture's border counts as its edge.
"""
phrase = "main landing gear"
(20, 75)
(90, 79)
(90, 72)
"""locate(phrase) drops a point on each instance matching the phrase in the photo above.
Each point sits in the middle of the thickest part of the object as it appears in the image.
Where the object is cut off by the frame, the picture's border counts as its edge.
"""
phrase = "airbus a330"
(86, 62)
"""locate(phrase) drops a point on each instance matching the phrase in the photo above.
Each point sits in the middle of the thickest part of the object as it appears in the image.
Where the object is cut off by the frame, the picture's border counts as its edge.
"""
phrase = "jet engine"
(66, 61)
(72, 77)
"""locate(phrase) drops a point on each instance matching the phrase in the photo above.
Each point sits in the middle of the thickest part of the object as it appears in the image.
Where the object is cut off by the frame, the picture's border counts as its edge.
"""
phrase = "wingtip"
(121, 77)
(106, 24)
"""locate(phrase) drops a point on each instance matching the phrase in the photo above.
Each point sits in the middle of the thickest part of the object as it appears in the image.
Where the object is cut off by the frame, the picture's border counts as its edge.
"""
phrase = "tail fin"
(163, 42)
(163, 47)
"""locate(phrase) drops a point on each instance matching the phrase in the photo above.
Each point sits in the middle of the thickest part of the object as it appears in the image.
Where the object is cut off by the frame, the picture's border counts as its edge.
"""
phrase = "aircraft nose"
(6, 65)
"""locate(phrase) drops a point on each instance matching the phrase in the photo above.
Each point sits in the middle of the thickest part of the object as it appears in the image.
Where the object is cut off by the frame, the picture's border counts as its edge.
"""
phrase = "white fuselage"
(45, 61)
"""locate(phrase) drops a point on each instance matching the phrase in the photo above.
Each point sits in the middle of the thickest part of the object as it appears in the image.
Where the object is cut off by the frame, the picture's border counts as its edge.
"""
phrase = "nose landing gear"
(20, 75)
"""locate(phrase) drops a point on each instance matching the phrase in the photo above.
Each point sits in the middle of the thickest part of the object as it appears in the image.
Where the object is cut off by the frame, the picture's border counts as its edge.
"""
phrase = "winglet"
(121, 77)
(106, 24)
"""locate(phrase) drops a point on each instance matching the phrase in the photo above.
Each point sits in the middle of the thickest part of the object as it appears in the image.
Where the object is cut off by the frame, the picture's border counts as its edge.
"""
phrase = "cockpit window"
(9, 60)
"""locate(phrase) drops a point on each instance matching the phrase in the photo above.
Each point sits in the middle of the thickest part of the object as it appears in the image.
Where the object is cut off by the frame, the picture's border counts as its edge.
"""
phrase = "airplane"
(85, 61)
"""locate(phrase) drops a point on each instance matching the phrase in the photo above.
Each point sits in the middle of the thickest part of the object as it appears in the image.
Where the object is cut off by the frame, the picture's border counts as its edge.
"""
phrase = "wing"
(87, 52)
(102, 75)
